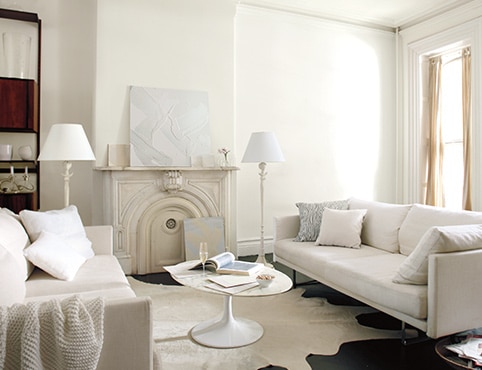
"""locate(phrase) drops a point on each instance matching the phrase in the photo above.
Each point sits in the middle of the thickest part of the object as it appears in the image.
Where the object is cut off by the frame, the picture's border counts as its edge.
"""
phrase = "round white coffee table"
(228, 331)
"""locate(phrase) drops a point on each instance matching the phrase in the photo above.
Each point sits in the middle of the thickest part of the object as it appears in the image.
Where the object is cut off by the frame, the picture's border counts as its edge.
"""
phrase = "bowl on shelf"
(264, 280)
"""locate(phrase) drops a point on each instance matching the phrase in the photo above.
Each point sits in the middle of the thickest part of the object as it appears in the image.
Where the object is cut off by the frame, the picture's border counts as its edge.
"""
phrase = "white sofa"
(411, 264)
(127, 320)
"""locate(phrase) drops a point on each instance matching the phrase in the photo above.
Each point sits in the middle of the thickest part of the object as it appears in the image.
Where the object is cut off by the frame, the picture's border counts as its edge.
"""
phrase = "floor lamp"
(66, 142)
(262, 148)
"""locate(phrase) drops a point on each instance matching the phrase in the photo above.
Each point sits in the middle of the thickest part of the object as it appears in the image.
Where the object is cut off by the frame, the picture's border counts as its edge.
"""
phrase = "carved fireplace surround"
(147, 205)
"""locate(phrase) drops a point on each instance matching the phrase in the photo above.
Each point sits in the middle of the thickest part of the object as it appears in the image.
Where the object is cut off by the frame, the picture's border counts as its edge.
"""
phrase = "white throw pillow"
(421, 217)
(65, 223)
(382, 223)
(14, 238)
(12, 289)
(51, 254)
(341, 228)
(437, 239)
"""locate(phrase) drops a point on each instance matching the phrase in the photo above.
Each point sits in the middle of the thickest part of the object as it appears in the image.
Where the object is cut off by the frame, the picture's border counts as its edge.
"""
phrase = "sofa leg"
(294, 279)
(421, 336)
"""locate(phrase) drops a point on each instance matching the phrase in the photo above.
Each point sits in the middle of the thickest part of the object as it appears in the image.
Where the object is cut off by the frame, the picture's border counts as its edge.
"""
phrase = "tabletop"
(195, 279)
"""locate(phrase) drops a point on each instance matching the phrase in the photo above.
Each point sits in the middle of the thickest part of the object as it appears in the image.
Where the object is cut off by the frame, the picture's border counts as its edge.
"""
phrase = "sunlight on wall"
(357, 133)
(327, 90)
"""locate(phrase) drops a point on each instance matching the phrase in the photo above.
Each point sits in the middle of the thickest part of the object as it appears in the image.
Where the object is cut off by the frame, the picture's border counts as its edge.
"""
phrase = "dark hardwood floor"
(382, 354)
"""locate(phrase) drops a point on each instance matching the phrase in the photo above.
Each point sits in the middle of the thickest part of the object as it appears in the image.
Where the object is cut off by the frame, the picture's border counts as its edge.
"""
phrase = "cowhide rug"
(294, 328)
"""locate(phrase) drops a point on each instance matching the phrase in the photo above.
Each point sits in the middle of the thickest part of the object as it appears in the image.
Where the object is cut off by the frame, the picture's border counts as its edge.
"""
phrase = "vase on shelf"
(25, 152)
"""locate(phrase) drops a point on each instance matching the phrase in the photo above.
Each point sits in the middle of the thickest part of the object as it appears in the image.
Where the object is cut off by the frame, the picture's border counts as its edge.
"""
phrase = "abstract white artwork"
(167, 126)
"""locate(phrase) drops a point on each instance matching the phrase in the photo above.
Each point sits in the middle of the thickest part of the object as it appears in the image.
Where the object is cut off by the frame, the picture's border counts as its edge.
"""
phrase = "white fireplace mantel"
(146, 206)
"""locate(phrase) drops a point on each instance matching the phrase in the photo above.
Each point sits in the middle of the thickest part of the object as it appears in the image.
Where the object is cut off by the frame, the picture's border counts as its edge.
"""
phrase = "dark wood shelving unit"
(20, 114)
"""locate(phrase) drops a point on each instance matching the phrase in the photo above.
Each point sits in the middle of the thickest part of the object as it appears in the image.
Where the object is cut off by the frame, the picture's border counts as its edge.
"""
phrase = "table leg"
(228, 331)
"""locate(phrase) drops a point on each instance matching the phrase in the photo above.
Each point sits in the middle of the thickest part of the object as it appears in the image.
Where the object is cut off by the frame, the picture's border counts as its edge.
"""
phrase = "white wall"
(184, 44)
(178, 44)
(328, 92)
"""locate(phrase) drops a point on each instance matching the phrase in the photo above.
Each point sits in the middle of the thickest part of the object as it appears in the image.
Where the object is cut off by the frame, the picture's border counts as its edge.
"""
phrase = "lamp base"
(262, 260)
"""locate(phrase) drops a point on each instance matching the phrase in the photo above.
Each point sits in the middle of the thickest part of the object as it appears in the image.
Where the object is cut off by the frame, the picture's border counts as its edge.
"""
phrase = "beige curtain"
(435, 194)
(467, 128)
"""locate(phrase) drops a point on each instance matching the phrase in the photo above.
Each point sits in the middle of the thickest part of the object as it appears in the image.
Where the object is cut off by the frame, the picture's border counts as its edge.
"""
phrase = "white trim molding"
(250, 247)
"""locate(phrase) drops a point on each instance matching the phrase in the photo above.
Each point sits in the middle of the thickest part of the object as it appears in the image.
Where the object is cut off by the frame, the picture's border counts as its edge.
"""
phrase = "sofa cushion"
(66, 223)
(381, 224)
(12, 290)
(100, 275)
(341, 228)
(420, 218)
(437, 239)
(311, 215)
(53, 255)
(313, 260)
(370, 279)
(14, 238)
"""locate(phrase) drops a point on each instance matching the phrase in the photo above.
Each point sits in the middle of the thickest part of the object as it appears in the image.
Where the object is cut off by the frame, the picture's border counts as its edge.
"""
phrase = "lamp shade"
(66, 142)
(263, 147)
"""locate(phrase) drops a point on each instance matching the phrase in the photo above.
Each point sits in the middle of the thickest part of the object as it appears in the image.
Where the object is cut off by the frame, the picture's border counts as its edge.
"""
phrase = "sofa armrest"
(454, 286)
(101, 238)
(286, 227)
(128, 342)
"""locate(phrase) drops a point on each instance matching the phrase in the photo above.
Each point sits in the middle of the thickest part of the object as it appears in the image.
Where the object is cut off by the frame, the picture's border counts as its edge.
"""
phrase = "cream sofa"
(127, 336)
(411, 263)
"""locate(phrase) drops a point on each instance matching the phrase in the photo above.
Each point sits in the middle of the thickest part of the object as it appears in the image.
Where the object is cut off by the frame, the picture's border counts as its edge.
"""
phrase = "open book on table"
(226, 263)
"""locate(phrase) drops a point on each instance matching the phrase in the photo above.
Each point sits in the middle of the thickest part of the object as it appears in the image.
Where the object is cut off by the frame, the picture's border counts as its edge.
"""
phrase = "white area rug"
(293, 326)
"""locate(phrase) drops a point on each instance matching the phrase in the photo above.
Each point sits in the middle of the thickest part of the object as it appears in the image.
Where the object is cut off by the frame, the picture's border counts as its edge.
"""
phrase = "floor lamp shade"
(66, 142)
(263, 147)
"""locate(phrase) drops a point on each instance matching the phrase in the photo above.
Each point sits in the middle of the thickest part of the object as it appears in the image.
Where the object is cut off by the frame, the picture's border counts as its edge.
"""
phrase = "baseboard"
(251, 247)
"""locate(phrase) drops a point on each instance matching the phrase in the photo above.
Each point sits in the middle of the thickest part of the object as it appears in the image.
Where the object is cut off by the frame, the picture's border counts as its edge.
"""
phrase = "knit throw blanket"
(54, 334)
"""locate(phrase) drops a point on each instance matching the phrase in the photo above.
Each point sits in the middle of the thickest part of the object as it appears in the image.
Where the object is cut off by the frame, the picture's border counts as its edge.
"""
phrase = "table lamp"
(262, 147)
(66, 142)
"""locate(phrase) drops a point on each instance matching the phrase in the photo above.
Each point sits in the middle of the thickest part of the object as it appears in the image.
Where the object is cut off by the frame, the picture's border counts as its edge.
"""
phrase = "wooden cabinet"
(20, 115)
(18, 104)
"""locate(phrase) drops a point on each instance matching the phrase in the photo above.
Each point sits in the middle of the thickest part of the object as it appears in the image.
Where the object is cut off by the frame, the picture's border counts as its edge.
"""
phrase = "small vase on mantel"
(224, 160)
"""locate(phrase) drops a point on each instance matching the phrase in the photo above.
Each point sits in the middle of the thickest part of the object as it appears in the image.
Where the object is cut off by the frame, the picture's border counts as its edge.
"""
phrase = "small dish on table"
(264, 280)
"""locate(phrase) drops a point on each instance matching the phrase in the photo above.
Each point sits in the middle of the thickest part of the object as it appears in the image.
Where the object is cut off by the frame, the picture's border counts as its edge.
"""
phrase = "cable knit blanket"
(53, 334)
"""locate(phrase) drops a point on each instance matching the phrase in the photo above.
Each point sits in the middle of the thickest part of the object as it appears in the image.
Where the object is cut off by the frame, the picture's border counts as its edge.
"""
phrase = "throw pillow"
(51, 254)
(421, 217)
(12, 290)
(341, 228)
(14, 239)
(381, 224)
(311, 215)
(437, 239)
(65, 223)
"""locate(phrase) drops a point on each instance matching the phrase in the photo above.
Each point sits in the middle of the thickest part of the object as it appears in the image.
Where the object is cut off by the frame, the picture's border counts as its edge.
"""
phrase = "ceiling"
(385, 13)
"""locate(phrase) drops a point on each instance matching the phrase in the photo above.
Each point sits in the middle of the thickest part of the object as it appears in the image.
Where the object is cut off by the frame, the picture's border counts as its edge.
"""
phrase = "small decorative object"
(264, 280)
(5, 152)
(25, 152)
(224, 160)
(118, 155)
